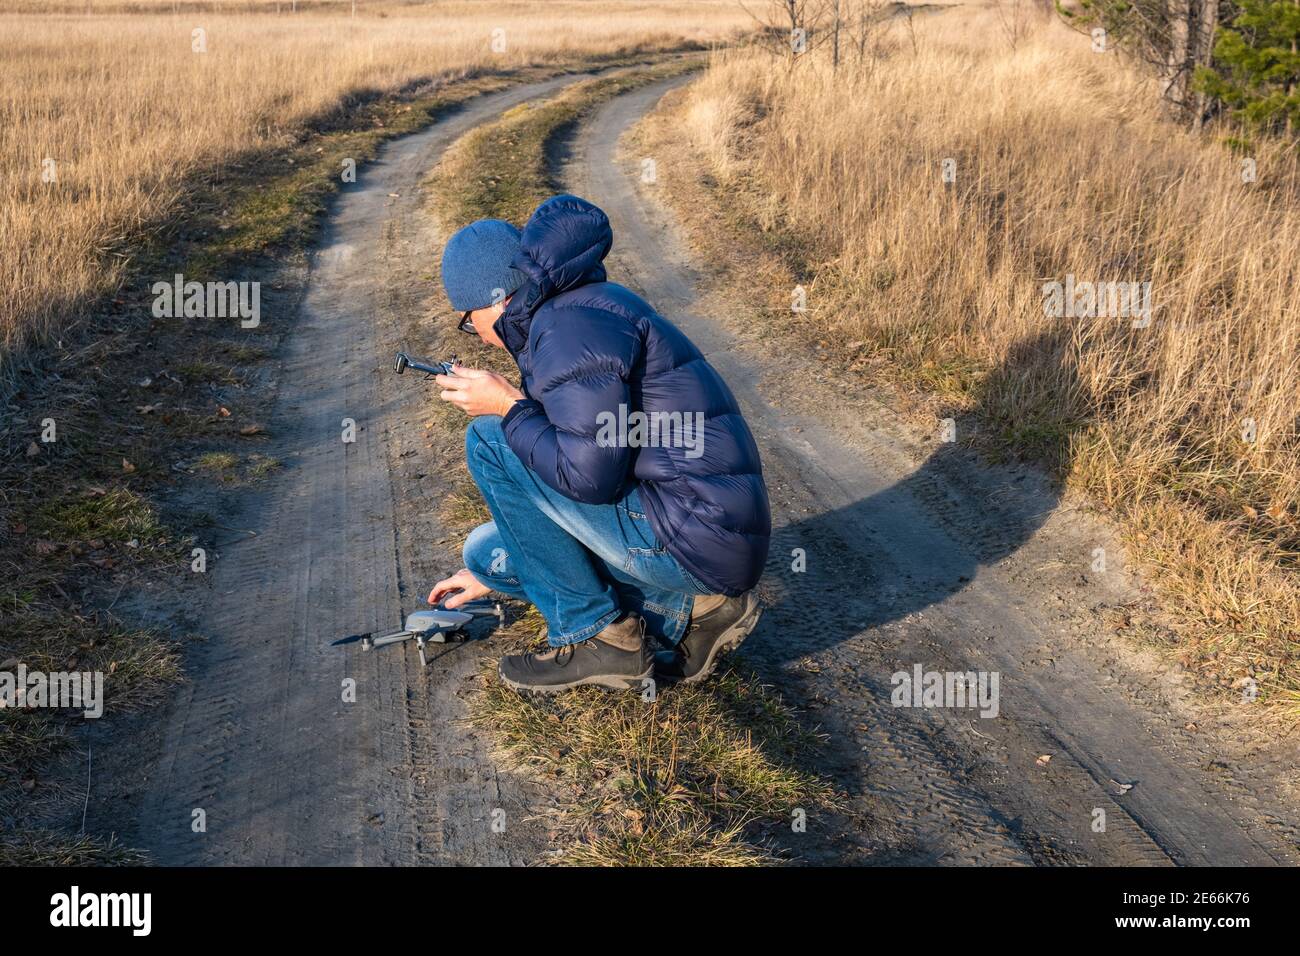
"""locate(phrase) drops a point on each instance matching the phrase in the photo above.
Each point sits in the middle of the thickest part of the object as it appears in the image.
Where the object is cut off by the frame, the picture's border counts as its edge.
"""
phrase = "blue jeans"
(580, 564)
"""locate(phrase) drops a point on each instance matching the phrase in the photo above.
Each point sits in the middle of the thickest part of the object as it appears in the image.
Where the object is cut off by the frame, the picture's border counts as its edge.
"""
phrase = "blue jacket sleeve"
(580, 365)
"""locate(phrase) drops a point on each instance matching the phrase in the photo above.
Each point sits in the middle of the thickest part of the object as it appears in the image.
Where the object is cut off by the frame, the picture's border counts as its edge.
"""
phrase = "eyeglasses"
(466, 325)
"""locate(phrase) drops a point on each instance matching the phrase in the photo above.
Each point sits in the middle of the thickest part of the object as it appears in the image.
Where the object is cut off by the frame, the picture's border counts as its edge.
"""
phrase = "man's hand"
(462, 581)
(478, 392)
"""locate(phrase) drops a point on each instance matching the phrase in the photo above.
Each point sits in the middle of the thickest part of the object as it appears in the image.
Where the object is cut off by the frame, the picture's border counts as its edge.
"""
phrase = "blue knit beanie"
(476, 264)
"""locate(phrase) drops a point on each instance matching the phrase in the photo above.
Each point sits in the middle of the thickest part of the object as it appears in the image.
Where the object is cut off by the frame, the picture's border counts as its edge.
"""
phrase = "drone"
(438, 625)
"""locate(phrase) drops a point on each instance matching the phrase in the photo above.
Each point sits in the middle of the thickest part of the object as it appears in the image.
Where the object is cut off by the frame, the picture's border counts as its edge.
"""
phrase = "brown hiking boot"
(617, 658)
(711, 633)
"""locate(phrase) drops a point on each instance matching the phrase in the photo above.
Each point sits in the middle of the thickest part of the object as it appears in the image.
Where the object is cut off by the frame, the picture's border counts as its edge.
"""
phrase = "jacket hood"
(562, 247)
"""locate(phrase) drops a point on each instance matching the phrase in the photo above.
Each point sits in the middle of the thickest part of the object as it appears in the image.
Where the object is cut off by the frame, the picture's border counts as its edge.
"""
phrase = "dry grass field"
(1060, 166)
(106, 108)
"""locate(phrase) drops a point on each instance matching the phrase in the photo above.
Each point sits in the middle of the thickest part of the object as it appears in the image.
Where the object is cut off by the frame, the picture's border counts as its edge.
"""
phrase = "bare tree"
(1178, 21)
(786, 27)
(835, 35)
(1013, 18)
(865, 24)
(1204, 52)
(1173, 37)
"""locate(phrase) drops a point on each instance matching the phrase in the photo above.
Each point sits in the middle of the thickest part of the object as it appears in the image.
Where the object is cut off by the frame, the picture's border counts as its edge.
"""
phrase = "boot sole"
(603, 681)
(731, 639)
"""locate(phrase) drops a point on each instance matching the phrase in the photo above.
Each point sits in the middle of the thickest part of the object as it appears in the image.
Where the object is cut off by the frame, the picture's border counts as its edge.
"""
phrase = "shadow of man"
(844, 574)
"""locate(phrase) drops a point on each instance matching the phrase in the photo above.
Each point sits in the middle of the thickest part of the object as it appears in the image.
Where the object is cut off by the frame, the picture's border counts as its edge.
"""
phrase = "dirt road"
(263, 761)
(916, 554)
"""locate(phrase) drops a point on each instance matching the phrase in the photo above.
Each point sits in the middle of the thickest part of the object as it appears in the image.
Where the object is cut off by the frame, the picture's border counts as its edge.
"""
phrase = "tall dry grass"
(1062, 166)
(127, 110)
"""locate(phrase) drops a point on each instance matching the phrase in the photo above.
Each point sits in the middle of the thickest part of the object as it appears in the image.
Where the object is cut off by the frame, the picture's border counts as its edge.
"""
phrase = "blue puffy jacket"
(585, 347)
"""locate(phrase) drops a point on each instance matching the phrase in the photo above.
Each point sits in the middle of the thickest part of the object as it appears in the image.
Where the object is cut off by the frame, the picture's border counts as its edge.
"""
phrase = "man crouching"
(625, 487)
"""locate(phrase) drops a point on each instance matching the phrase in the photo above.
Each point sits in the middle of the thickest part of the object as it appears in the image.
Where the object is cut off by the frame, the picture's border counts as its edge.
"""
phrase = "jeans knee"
(485, 554)
(483, 428)
(487, 453)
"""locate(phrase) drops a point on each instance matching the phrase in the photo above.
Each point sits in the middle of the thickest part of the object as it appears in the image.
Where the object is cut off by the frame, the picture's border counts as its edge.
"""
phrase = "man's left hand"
(477, 391)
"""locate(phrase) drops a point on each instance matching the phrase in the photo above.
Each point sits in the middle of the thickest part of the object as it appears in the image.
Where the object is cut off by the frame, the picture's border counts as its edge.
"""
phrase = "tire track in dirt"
(260, 739)
(922, 556)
